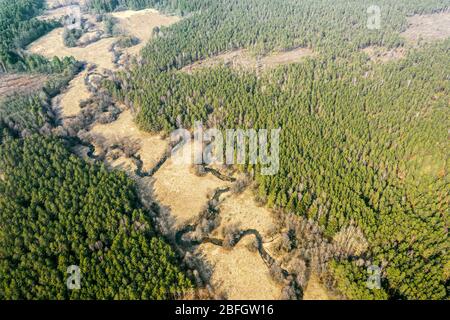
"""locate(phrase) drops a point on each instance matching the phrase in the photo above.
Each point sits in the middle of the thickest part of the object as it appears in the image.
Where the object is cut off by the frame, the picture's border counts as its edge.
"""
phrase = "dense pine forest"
(57, 211)
(361, 142)
(334, 28)
(18, 28)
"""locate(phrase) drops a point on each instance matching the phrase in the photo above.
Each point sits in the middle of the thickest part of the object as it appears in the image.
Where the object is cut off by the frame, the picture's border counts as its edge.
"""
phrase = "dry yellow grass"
(141, 23)
(287, 57)
(137, 23)
(239, 59)
(243, 210)
(69, 100)
(152, 146)
(180, 191)
(381, 54)
(243, 60)
(239, 273)
(428, 27)
(52, 45)
(315, 290)
(123, 164)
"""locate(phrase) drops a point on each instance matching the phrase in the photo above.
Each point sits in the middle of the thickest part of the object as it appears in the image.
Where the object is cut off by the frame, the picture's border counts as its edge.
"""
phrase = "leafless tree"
(240, 185)
(288, 292)
(231, 234)
(276, 272)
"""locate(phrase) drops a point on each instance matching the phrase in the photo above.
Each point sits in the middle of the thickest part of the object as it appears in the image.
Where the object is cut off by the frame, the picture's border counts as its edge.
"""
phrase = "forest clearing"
(242, 59)
(240, 274)
(379, 54)
(20, 84)
(428, 27)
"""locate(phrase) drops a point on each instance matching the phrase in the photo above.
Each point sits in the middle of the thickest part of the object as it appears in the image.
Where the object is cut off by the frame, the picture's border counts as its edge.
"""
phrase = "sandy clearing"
(241, 59)
(239, 273)
(180, 191)
(243, 211)
(20, 83)
(153, 146)
(382, 54)
(428, 27)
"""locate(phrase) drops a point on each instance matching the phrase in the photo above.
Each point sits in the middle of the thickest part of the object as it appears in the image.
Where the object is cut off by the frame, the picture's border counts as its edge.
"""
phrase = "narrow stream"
(211, 213)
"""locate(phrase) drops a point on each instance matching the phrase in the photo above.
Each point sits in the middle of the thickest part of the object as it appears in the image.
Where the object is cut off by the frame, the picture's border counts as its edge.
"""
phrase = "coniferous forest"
(59, 211)
(18, 28)
(362, 143)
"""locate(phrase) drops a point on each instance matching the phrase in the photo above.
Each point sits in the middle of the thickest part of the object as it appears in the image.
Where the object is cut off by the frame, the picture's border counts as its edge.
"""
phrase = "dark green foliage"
(179, 7)
(361, 143)
(353, 282)
(330, 27)
(25, 114)
(18, 28)
(127, 41)
(56, 211)
(71, 36)
(5, 132)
